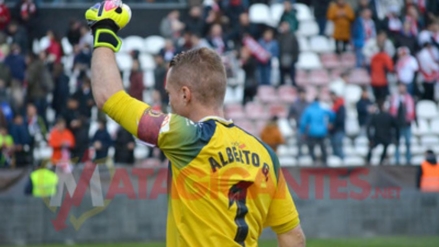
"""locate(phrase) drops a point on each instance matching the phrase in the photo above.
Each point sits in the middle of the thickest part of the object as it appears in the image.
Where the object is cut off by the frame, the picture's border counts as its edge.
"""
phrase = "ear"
(186, 94)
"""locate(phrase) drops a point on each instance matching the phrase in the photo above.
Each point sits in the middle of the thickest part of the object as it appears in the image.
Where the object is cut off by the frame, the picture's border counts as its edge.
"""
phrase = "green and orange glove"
(105, 19)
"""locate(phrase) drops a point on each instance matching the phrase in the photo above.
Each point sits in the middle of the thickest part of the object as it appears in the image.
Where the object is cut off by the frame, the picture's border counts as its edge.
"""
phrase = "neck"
(198, 114)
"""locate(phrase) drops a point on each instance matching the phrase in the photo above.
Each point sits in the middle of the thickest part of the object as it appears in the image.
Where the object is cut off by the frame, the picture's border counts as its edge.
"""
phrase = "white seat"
(260, 14)
(421, 128)
(349, 150)
(124, 61)
(282, 150)
(140, 152)
(132, 43)
(146, 61)
(426, 109)
(45, 152)
(434, 126)
(44, 43)
(148, 78)
(352, 127)
(112, 127)
(417, 160)
(308, 61)
(66, 46)
(334, 161)
(287, 161)
(93, 128)
(285, 127)
(276, 10)
(320, 44)
(352, 93)
(305, 161)
(303, 12)
(429, 141)
(354, 161)
(304, 44)
(308, 28)
(361, 150)
(361, 141)
(153, 44)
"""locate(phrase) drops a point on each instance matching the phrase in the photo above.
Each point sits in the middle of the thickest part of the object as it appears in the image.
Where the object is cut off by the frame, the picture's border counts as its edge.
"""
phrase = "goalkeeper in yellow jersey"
(225, 185)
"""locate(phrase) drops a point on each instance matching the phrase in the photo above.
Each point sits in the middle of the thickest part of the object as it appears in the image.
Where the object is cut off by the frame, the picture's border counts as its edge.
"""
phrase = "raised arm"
(105, 77)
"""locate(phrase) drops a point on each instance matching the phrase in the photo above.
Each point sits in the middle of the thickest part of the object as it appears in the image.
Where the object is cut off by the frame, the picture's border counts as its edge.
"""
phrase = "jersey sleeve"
(178, 137)
(282, 215)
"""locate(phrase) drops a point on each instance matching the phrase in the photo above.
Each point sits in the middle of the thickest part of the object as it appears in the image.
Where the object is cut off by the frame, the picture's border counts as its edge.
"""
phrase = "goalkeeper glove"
(105, 19)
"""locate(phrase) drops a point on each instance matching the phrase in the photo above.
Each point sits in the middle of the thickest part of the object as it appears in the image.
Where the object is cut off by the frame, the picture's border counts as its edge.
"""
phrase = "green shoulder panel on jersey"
(183, 140)
(273, 156)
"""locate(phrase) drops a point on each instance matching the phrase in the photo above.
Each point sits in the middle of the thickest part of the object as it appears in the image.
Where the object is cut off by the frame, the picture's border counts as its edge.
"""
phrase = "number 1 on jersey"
(238, 194)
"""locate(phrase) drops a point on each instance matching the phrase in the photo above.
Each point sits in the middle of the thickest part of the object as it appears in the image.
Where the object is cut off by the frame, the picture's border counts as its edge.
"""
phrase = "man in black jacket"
(320, 11)
(381, 129)
(289, 53)
(337, 127)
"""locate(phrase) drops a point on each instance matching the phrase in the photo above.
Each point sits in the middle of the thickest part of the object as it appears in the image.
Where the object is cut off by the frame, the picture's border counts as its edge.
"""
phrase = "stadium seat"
(132, 43)
(361, 150)
(260, 125)
(146, 61)
(349, 150)
(352, 94)
(287, 161)
(93, 128)
(354, 161)
(45, 152)
(334, 161)
(278, 109)
(153, 44)
(260, 14)
(320, 44)
(426, 109)
(335, 73)
(44, 43)
(124, 61)
(359, 77)
(421, 128)
(247, 126)
(302, 77)
(303, 12)
(352, 127)
(429, 141)
(234, 111)
(112, 127)
(267, 94)
(254, 110)
(330, 60)
(240, 77)
(311, 93)
(308, 61)
(276, 10)
(66, 46)
(308, 28)
(282, 150)
(434, 126)
(287, 94)
(285, 128)
(305, 161)
(303, 44)
(319, 77)
(348, 60)
(417, 160)
(148, 78)
(361, 141)
(140, 152)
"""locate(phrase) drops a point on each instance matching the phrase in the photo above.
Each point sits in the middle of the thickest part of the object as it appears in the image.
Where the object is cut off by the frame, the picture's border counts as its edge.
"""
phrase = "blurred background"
(343, 89)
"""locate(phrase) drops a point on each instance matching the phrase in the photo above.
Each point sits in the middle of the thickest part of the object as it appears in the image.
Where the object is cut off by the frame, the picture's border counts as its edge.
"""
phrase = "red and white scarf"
(413, 25)
(409, 106)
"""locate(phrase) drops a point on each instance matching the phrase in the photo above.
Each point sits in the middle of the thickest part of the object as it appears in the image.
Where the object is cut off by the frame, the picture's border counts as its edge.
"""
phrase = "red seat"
(311, 93)
(359, 77)
(335, 74)
(319, 77)
(287, 94)
(330, 60)
(259, 126)
(348, 60)
(279, 110)
(267, 94)
(246, 125)
(302, 78)
(234, 111)
(254, 110)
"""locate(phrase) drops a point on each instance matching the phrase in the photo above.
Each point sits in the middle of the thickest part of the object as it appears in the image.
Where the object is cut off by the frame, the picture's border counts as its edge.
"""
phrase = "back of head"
(202, 71)
(430, 157)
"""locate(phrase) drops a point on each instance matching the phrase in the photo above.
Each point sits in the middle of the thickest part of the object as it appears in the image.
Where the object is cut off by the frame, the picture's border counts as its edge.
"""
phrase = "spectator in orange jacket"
(343, 16)
(60, 138)
(380, 65)
(271, 134)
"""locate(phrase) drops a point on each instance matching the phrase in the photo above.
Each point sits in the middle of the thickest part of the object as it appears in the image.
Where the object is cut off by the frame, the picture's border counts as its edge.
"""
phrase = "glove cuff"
(106, 38)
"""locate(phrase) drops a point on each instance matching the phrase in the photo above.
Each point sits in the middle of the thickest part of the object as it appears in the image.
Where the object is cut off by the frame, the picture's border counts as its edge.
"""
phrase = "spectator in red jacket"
(5, 15)
(380, 65)
(54, 50)
(136, 81)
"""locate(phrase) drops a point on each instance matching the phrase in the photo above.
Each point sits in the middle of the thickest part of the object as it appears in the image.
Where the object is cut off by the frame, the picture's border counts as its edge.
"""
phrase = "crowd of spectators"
(387, 37)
